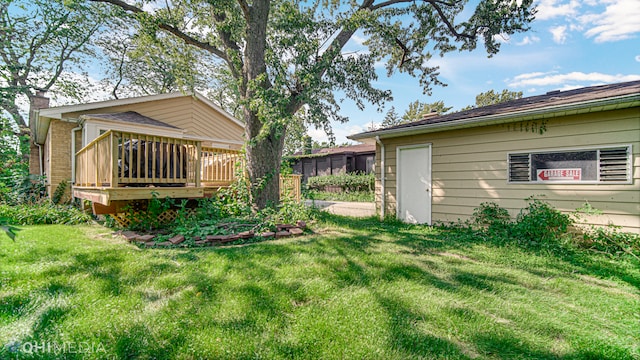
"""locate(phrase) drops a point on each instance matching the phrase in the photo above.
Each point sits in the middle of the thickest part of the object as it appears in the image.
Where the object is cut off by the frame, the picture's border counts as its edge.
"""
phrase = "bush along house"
(568, 147)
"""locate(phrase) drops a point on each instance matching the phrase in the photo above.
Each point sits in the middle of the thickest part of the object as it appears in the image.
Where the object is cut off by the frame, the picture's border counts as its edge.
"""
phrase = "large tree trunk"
(263, 152)
(263, 169)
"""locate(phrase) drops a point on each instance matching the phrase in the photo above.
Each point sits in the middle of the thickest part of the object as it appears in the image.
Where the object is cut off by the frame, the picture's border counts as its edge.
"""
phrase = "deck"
(123, 166)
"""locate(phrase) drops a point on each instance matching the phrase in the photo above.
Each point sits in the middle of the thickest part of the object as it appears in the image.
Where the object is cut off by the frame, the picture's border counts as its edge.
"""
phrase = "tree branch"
(437, 6)
(225, 36)
(245, 9)
(405, 51)
(444, 19)
(188, 39)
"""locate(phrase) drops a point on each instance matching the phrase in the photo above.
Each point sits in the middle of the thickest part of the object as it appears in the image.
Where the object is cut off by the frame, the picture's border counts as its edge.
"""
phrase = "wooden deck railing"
(220, 165)
(118, 158)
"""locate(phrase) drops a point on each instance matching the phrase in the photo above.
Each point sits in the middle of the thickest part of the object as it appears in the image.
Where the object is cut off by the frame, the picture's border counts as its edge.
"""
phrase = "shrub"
(611, 240)
(608, 239)
(347, 182)
(540, 222)
(491, 215)
(537, 224)
(288, 212)
(45, 213)
(59, 195)
(17, 188)
(146, 215)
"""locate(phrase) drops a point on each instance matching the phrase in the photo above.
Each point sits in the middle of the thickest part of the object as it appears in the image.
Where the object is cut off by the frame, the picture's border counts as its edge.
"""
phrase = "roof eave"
(614, 103)
(56, 112)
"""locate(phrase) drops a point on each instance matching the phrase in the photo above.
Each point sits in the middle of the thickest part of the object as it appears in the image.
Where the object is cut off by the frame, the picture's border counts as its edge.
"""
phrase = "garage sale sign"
(559, 175)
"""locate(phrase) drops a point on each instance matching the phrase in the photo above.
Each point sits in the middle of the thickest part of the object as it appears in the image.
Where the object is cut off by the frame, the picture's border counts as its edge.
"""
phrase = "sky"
(571, 44)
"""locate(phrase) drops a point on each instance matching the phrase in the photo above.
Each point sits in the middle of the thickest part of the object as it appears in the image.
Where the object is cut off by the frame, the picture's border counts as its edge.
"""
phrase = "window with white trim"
(585, 165)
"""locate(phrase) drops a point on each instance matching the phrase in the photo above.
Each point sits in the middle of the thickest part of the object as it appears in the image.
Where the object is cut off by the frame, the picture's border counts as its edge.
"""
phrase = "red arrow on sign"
(543, 176)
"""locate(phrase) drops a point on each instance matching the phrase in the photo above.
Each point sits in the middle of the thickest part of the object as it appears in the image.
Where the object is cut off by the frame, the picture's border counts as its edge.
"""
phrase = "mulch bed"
(149, 239)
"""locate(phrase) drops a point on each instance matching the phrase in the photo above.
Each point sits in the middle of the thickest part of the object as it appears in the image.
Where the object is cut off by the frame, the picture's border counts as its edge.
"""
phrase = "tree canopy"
(491, 97)
(283, 55)
(391, 118)
(416, 110)
(39, 40)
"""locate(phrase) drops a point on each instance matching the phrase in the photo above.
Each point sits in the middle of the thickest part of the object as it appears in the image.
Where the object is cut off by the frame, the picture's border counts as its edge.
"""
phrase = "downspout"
(383, 194)
(36, 119)
(73, 152)
(39, 158)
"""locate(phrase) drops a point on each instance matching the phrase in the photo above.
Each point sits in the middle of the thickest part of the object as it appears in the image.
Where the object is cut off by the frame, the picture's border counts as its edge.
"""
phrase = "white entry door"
(414, 183)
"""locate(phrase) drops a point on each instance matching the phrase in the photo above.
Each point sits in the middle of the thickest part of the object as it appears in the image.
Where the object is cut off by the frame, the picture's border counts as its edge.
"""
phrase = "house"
(117, 151)
(332, 161)
(571, 147)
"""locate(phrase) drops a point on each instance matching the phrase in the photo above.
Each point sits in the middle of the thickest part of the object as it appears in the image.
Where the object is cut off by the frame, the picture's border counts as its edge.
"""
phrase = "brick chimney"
(39, 101)
(429, 115)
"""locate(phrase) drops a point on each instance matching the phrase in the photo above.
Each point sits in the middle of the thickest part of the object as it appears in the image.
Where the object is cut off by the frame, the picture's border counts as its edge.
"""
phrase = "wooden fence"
(290, 187)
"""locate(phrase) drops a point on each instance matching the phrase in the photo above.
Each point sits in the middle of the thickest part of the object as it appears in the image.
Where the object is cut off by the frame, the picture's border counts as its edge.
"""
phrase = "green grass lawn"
(356, 289)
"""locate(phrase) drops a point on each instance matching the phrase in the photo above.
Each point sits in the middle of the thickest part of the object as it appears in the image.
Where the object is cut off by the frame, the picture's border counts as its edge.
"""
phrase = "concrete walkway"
(355, 209)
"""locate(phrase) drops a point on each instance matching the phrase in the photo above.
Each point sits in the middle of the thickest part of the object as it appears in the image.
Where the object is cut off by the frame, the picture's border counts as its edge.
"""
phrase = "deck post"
(198, 163)
(114, 160)
(96, 159)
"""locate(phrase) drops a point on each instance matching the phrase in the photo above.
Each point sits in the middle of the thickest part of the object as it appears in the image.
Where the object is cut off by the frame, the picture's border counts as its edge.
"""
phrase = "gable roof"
(56, 112)
(130, 117)
(44, 116)
(554, 103)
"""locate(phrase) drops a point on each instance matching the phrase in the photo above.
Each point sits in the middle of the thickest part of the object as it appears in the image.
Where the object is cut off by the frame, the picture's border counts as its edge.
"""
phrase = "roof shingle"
(550, 99)
(131, 117)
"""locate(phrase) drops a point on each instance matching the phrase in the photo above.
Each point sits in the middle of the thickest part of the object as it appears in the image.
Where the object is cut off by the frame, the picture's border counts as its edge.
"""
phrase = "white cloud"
(530, 75)
(619, 21)
(638, 58)
(567, 80)
(528, 40)
(559, 33)
(549, 9)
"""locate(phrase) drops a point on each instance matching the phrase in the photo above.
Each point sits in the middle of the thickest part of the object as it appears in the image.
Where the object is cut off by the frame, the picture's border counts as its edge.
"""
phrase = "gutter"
(382, 179)
(620, 102)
